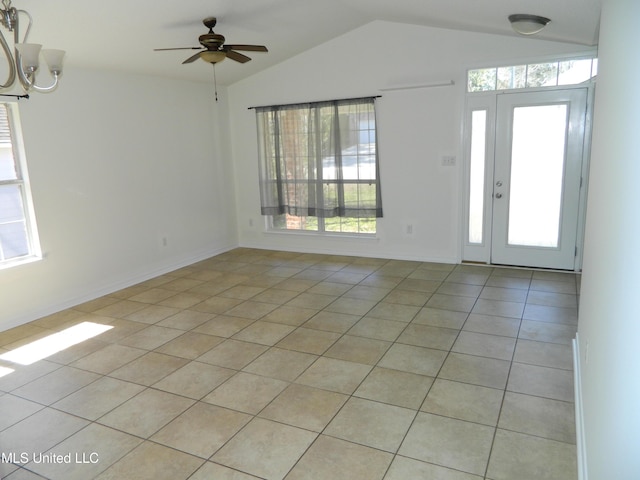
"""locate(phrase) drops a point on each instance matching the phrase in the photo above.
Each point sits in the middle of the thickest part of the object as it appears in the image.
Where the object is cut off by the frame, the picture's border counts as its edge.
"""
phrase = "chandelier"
(24, 63)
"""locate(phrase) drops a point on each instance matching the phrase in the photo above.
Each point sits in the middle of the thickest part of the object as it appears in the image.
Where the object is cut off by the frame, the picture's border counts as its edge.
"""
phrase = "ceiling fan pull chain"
(215, 83)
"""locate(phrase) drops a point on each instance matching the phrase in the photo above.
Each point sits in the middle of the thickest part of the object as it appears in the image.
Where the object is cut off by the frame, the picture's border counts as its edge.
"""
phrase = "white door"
(536, 178)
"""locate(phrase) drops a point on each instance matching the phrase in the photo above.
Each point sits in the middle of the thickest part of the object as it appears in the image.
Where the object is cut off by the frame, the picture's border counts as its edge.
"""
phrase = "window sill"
(19, 261)
(350, 236)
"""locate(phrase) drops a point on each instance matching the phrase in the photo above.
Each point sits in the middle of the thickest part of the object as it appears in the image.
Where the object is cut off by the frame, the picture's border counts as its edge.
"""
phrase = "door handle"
(498, 195)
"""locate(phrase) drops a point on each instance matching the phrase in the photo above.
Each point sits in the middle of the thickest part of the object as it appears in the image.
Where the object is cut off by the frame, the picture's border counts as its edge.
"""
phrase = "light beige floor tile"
(538, 416)
(378, 328)
(151, 461)
(56, 385)
(331, 287)
(184, 300)
(15, 409)
(551, 314)
(498, 308)
(541, 381)
(464, 402)
(152, 314)
(437, 317)
(190, 345)
(347, 277)
(554, 286)
(182, 284)
(202, 429)
(75, 352)
(428, 336)
(332, 322)
(308, 340)
(122, 328)
(251, 310)
(335, 375)
(234, 392)
(404, 468)
(370, 423)
(484, 345)
(408, 358)
(331, 458)
(151, 337)
(98, 398)
(39, 432)
(233, 354)
(461, 289)
(353, 306)
(544, 354)
(266, 449)
(146, 413)
(92, 450)
(23, 375)
(223, 326)
(149, 368)
(419, 285)
(194, 380)
(243, 292)
(504, 294)
(108, 358)
(450, 443)
(394, 387)
(547, 332)
(504, 281)
(264, 333)
(186, 320)
(472, 278)
(210, 471)
(216, 304)
(304, 407)
(278, 296)
(312, 300)
(451, 302)
(121, 308)
(364, 292)
(289, 315)
(394, 311)
(408, 297)
(153, 295)
(515, 455)
(553, 299)
(281, 364)
(492, 325)
(486, 372)
(358, 349)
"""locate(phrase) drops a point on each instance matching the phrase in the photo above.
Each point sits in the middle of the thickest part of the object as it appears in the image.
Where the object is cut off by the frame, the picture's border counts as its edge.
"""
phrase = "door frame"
(487, 101)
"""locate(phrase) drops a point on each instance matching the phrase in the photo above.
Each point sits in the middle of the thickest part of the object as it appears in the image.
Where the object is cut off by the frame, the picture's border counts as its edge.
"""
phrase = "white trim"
(581, 447)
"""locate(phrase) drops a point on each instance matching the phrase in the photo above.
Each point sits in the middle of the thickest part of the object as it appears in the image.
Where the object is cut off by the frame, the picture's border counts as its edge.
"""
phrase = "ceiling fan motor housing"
(211, 41)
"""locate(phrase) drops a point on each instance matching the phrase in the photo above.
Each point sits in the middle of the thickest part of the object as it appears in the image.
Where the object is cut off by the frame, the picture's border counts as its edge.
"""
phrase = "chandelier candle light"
(24, 64)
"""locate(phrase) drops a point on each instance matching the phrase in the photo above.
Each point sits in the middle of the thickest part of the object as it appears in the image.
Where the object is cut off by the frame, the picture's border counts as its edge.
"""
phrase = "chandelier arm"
(11, 77)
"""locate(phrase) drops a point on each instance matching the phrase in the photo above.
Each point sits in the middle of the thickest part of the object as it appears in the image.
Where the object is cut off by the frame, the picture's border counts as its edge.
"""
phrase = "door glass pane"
(476, 175)
(537, 167)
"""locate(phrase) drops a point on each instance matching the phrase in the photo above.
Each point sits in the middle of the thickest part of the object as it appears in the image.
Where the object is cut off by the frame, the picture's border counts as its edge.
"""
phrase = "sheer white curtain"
(319, 159)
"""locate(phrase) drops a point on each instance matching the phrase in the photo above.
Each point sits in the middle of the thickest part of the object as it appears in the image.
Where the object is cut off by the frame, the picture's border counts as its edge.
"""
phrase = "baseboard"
(577, 388)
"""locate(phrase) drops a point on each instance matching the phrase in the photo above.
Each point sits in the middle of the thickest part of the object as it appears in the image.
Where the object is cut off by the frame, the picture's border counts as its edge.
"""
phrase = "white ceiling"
(121, 34)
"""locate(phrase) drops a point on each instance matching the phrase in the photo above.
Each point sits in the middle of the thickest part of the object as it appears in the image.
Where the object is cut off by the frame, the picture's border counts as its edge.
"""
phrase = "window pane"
(7, 164)
(537, 167)
(476, 175)
(11, 207)
(542, 75)
(14, 241)
(482, 80)
(574, 71)
(512, 77)
(291, 222)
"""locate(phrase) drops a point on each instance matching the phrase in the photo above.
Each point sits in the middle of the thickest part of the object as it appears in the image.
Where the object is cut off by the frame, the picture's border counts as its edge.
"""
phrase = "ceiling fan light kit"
(526, 24)
(25, 61)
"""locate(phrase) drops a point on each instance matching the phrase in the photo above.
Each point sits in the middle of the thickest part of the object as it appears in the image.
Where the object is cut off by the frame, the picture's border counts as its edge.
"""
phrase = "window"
(549, 74)
(319, 168)
(18, 235)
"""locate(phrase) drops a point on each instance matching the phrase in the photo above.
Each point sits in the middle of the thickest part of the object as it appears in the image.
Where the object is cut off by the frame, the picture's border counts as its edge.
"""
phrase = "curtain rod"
(320, 101)
(19, 97)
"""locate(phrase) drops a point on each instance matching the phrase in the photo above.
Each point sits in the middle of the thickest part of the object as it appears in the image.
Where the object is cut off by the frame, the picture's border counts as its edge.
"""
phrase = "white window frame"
(14, 135)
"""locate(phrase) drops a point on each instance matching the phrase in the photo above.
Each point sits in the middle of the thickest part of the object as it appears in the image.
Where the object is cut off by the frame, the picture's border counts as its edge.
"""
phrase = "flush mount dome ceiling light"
(526, 24)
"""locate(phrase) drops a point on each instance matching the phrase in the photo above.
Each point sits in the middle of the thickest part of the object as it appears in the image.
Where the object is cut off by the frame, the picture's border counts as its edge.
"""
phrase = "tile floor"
(267, 364)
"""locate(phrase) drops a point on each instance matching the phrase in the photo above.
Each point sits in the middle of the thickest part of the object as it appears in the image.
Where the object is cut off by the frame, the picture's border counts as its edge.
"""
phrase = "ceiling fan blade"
(178, 48)
(193, 58)
(247, 48)
(238, 57)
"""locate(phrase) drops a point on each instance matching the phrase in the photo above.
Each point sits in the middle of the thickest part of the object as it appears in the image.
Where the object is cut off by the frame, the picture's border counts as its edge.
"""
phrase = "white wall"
(116, 163)
(415, 128)
(609, 322)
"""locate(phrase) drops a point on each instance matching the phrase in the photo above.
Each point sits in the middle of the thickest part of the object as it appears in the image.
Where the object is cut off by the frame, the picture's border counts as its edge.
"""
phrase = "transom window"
(533, 75)
(18, 235)
(319, 166)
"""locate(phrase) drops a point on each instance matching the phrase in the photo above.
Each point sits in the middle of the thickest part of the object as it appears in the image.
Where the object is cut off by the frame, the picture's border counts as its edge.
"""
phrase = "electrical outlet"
(409, 229)
(448, 160)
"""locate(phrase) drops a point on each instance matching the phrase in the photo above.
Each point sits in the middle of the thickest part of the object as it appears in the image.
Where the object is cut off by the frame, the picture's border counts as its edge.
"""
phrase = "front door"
(536, 178)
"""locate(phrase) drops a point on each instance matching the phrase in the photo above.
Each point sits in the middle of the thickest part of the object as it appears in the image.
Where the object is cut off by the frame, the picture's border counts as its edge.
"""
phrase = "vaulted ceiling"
(121, 34)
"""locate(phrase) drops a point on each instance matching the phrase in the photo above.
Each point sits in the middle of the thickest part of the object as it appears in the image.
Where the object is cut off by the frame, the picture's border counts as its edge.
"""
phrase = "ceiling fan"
(213, 48)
